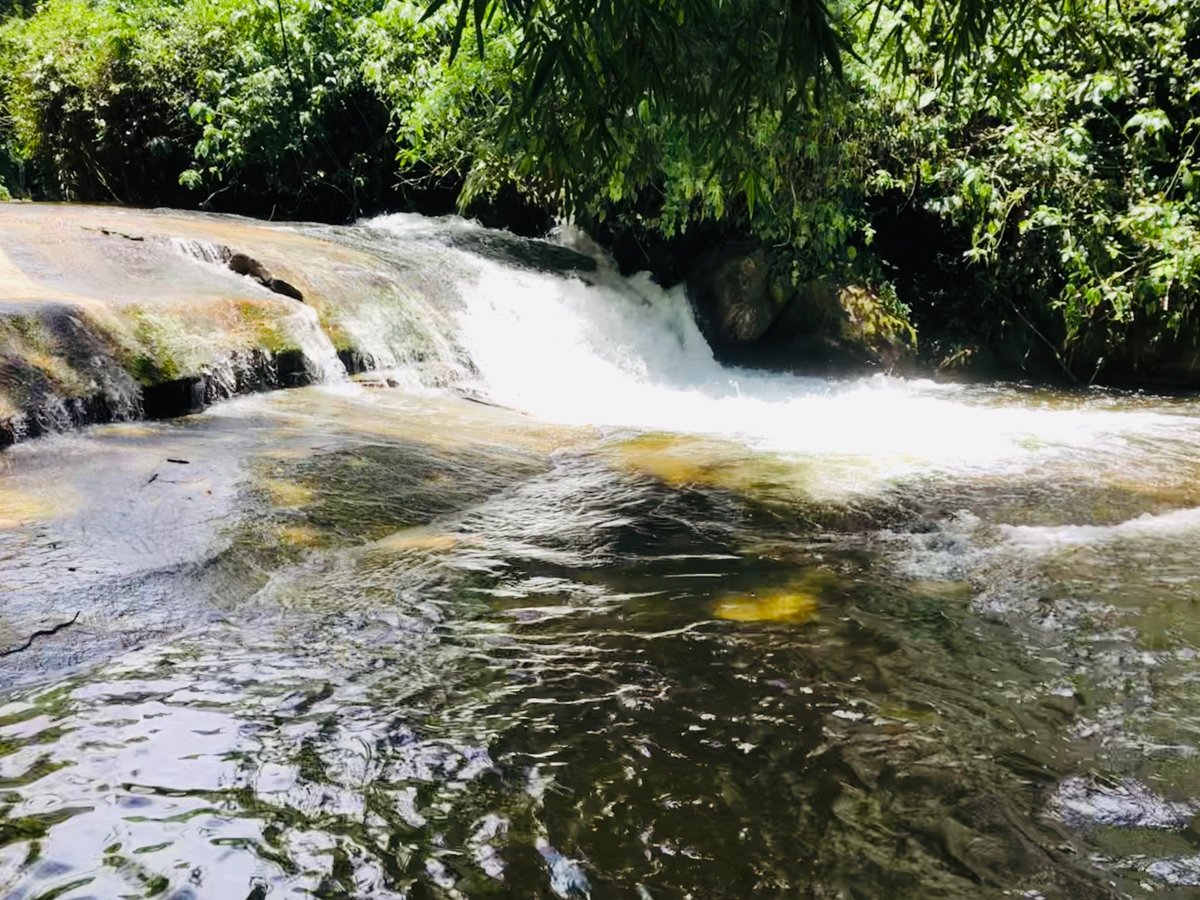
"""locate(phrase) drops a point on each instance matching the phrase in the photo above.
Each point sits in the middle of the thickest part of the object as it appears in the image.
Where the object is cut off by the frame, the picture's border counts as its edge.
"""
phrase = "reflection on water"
(340, 652)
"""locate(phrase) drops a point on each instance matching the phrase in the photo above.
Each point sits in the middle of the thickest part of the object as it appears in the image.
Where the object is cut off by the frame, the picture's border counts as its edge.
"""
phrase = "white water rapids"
(623, 352)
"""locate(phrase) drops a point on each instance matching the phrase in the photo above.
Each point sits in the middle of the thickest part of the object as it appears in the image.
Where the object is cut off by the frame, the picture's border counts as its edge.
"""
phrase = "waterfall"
(605, 350)
(301, 327)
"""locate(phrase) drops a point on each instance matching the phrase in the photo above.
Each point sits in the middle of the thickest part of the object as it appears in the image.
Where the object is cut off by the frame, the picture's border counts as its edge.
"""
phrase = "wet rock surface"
(753, 312)
(109, 314)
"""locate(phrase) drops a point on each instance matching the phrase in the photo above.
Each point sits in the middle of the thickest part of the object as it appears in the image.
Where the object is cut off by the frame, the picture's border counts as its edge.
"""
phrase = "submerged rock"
(779, 606)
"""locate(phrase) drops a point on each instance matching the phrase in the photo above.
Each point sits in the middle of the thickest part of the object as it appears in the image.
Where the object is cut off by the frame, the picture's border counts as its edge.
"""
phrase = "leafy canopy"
(718, 62)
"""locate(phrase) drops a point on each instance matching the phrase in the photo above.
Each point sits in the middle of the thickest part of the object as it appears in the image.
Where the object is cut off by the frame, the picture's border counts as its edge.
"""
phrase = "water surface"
(637, 626)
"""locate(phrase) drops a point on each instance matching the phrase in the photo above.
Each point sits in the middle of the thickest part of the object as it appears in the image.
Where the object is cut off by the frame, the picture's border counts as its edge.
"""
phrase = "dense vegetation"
(1026, 180)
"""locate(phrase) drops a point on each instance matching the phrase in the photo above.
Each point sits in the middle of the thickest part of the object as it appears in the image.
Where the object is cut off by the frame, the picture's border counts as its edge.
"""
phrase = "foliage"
(1064, 154)
(137, 101)
(1058, 166)
(1082, 203)
(716, 68)
(285, 105)
(80, 94)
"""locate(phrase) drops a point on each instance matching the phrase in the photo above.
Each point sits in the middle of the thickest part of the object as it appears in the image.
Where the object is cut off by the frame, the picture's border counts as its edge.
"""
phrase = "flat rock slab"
(109, 313)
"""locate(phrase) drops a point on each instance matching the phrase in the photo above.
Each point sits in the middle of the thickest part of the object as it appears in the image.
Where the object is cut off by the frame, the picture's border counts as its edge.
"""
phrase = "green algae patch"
(35, 359)
(288, 494)
(166, 343)
(264, 329)
(160, 342)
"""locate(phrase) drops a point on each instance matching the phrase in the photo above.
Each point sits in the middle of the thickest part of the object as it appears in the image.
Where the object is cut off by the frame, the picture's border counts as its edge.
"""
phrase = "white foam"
(623, 352)
(1178, 523)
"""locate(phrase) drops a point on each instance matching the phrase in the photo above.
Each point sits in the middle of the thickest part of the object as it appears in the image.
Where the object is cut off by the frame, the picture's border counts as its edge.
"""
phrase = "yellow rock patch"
(783, 606)
(301, 536)
(18, 507)
(288, 493)
(681, 460)
(419, 540)
(796, 603)
(665, 457)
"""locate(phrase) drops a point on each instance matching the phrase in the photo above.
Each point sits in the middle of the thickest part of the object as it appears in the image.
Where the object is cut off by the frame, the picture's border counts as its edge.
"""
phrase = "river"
(558, 606)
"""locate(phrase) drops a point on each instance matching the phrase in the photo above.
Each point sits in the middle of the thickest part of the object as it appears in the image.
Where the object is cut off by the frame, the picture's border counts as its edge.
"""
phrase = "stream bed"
(598, 617)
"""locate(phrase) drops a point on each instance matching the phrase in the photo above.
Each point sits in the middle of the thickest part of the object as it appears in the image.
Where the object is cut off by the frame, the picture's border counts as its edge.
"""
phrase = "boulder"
(118, 314)
(831, 327)
(731, 291)
(751, 313)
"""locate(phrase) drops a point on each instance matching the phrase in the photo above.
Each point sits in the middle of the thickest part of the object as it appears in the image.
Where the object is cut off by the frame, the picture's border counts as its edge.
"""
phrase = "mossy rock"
(829, 327)
(751, 313)
(116, 314)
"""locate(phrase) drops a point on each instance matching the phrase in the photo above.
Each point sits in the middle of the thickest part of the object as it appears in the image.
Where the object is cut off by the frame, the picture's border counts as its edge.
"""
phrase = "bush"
(148, 102)
(1055, 177)
(1083, 201)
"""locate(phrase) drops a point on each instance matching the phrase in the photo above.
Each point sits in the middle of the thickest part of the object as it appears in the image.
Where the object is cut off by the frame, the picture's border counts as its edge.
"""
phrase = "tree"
(719, 61)
(587, 72)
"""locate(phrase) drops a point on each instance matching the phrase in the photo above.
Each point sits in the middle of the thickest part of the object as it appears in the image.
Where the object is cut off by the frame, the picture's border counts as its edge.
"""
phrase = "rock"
(730, 289)
(178, 397)
(245, 265)
(829, 327)
(541, 256)
(752, 314)
(114, 314)
(355, 362)
(252, 268)
(279, 286)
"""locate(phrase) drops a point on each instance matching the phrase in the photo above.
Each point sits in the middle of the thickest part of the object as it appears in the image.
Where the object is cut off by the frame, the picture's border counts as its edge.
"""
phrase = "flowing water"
(571, 610)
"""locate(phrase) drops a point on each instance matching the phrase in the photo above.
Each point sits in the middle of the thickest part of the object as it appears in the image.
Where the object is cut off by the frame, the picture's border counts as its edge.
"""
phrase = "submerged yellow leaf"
(912, 713)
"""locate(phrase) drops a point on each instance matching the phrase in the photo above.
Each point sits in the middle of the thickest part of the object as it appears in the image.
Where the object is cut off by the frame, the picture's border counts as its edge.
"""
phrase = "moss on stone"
(32, 355)
(869, 320)
(155, 358)
(264, 329)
